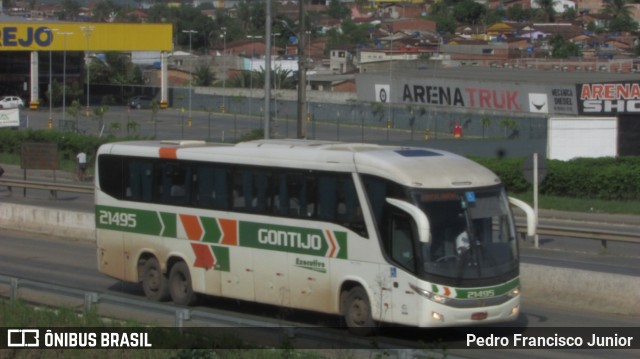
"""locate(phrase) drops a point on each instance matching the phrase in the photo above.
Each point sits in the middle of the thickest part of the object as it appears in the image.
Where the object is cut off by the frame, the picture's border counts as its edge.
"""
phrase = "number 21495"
(119, 219)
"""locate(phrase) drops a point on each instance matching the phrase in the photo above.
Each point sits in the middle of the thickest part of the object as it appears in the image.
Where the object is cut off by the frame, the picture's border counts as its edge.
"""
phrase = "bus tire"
(154, 283)
(180, 285)
(357, 312)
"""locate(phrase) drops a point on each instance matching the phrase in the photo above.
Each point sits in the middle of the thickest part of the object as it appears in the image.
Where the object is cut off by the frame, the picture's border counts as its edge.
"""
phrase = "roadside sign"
(528, 167)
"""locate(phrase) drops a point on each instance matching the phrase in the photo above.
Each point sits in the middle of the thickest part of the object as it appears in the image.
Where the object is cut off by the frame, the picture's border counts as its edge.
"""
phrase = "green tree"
(187, 18)
(107, 11)
(350, 33)
(98, 114)
(442, 14)
(252, 16)
(618, 8)
(469, 11)
(115, 69)
(547, 9)
(563, 48)
(518, 13)
(203, 76)
(70, 10)
(621, 16)
(338, 10)
(494, 16)
(242, 80)
(445, 23)
(622, 24)
(440, 8)
(569, 14)
(282, 79)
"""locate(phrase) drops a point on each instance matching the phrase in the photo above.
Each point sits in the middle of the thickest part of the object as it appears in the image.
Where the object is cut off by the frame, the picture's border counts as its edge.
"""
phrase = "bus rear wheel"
(154, 282)
(180, 285)
(357, 312)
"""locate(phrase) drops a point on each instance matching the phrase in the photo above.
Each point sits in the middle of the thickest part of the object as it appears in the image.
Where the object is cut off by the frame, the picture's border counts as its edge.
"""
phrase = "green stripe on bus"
(293, 239)
(136, 221)
(212, 231)
(251, 234)
(223, 263)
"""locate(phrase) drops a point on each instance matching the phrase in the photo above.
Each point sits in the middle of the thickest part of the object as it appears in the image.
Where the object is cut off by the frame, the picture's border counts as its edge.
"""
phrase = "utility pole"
(302, 72)
(190, 32)
(267, 75)
(87, 30)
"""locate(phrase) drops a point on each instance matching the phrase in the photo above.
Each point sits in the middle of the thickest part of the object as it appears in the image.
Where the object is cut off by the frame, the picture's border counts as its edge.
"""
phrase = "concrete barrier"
(65, 224)
(568, 287)
(581, 289)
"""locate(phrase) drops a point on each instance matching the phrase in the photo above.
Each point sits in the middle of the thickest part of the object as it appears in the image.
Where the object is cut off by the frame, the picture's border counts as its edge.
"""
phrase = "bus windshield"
(473, 239)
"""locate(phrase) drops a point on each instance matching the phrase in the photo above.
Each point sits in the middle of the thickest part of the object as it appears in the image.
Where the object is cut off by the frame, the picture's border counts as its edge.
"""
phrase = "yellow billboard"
(78, 36)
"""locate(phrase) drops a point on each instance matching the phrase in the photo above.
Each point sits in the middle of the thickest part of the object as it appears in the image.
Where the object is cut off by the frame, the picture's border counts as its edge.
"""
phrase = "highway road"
(73, 264)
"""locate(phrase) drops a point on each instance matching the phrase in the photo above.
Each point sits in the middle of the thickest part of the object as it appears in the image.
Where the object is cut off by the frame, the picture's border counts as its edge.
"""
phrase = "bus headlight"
(514, 292)
(438, 298)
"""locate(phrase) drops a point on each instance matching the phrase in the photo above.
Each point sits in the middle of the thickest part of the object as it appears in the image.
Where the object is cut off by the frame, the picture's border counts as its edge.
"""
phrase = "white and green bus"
(377, 234)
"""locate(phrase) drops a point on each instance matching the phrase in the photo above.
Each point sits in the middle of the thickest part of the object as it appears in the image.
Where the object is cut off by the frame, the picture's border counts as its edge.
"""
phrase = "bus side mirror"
(420, 218)
(532, 221)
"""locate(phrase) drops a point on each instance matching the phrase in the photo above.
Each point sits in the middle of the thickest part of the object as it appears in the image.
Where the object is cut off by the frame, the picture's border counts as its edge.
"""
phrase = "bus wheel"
(357, 312)
(154, 283)
(180, 285)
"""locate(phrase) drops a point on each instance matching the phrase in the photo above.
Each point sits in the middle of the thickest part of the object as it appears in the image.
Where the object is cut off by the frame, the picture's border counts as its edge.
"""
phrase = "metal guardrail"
(589, 233)
(548, 230)
(583, 233)
(227, 322)
(53, 187)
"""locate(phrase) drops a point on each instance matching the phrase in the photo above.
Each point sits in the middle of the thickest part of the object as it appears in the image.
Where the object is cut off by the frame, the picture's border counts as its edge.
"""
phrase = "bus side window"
(297, 194)
(237, 190)
(141, 180)
(206, 192)
(402, 237)
(280, 195)
(116, 183)
(326, 197)
(349, 209)
(221, 188)
(176, 184)
(261, 181)
(213, 187)
(377, 193)
(134, 190)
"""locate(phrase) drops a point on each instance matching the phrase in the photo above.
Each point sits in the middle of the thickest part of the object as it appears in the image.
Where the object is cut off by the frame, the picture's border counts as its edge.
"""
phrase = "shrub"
(595, 178)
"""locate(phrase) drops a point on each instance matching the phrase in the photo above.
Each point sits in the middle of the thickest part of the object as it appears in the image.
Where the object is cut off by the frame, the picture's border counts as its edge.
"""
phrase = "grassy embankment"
(23, 315)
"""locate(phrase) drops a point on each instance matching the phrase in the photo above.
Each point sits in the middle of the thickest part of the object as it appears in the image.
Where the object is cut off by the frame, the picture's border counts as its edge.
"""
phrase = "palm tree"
(547, 9)
(618, 8)
(621, 16)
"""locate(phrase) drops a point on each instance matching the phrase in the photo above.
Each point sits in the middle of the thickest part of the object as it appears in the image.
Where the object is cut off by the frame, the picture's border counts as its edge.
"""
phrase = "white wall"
(571, 137)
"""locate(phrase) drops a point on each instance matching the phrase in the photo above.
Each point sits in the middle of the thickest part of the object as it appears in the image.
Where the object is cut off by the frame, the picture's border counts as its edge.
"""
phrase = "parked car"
(11, 102)
(141, 102)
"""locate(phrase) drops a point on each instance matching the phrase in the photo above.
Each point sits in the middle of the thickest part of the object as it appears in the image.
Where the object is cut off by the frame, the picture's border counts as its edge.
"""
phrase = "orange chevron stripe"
(192, 227)
(168, 152)
(332, 244)
(204, 256)
(229, 231)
